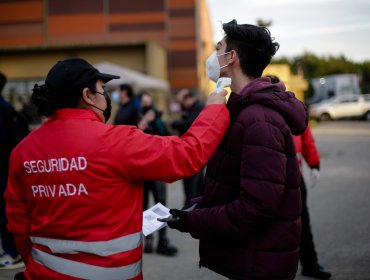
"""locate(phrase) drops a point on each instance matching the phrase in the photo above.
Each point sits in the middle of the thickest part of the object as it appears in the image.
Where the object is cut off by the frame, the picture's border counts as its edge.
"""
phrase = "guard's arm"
(147, 157)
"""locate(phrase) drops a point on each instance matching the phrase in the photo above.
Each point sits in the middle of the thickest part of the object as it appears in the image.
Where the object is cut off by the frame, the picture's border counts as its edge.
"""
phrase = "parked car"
(339, 107)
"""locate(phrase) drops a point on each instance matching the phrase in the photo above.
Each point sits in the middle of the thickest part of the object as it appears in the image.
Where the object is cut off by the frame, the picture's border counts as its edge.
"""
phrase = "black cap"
(73, 73)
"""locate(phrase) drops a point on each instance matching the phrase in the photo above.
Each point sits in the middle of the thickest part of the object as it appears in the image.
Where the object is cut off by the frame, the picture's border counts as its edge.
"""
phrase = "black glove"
(179, 224)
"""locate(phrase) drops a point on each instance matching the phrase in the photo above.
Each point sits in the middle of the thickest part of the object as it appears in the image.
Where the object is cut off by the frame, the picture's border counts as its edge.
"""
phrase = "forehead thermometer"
(222, 83)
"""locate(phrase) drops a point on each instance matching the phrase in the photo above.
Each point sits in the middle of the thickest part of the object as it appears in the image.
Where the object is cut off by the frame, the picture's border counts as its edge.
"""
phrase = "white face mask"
(213, 66)
(115, 97)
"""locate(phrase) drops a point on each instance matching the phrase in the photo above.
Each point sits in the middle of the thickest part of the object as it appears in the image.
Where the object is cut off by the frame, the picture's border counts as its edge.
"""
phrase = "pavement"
(339, 208)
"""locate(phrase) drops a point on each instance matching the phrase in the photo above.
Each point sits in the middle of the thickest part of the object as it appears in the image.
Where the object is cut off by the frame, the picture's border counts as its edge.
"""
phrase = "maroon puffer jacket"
(248, 220)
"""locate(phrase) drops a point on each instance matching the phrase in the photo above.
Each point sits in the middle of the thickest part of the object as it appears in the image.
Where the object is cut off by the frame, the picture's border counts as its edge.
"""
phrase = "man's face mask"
(213, 66)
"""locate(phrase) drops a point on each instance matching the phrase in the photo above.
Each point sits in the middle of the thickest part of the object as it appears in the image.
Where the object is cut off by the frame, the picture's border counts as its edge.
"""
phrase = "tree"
(365, 77)
(264, 23)
(314, 66)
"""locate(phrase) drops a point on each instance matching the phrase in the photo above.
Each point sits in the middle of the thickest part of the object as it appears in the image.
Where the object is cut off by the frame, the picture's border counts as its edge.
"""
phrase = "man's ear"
(86, 96)
(234, 57)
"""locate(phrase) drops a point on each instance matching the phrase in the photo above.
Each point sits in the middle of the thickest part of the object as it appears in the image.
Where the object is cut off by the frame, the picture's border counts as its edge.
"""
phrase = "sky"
(322, 27)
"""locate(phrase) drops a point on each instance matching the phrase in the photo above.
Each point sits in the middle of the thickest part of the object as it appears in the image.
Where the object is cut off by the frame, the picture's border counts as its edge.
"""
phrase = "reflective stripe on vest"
(85, 271)
(100, 248)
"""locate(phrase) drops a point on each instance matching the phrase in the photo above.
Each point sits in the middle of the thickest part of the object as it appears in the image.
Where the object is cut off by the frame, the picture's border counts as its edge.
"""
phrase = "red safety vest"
(75, 190)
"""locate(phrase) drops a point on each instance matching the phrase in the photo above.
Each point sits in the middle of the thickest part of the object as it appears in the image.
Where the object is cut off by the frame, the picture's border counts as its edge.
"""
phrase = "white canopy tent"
(137, 80)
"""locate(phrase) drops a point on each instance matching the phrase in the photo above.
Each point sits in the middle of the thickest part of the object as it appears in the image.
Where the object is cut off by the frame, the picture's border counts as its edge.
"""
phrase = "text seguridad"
(57, 165)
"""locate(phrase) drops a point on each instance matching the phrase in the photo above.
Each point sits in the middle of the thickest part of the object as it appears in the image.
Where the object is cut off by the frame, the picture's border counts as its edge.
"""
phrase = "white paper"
(150, 223)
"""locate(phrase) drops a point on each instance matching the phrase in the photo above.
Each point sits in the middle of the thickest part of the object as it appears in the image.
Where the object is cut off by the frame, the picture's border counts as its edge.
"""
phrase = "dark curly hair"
(47, 100)
(254, 45)
(128, 88)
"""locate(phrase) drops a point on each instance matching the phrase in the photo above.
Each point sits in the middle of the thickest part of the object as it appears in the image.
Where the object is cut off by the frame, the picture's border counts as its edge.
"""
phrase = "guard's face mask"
(108, 110)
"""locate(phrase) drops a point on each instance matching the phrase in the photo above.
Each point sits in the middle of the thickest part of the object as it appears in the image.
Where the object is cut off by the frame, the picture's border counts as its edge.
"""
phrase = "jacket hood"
(262, 91)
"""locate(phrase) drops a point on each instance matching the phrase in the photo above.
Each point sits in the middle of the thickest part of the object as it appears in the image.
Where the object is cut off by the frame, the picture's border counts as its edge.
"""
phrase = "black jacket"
(128, 113)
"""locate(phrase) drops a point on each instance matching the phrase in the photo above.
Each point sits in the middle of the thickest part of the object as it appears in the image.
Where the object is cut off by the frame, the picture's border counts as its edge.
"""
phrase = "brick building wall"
(45, 24)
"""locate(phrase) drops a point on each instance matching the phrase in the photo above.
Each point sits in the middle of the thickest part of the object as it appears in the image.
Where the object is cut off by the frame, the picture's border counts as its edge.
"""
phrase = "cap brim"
(106, 77)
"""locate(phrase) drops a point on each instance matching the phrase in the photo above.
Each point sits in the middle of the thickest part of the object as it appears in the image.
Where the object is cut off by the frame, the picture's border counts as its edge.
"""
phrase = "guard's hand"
(217, 98)
(315, 174)
(179, 224)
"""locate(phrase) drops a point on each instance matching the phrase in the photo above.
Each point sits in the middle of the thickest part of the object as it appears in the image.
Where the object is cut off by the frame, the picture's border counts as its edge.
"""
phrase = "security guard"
(75, 189)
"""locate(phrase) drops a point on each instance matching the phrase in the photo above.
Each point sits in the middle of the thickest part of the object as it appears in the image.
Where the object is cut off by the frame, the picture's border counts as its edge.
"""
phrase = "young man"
(75, 190)
(248, 220)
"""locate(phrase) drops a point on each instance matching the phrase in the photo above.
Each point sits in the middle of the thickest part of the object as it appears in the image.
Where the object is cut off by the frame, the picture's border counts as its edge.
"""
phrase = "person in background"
(74, 198)
(191, 107)
(29, 112)
(129, 106)
(248, 220)
(150, 122)
(12, 129)
(307, 150)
